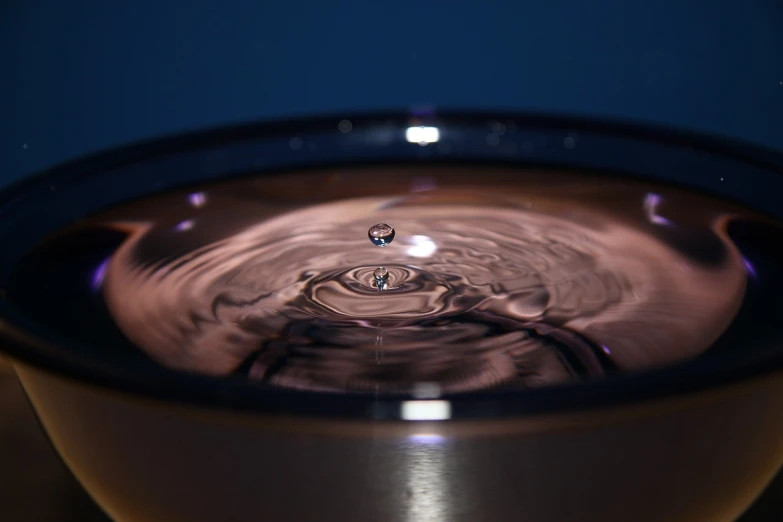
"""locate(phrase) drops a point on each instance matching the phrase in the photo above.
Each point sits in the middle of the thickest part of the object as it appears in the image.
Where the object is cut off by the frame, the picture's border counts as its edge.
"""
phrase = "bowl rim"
(24, 342)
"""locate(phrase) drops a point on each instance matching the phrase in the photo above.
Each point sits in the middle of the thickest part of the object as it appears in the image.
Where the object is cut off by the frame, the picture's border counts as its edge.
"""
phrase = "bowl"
(696, 440)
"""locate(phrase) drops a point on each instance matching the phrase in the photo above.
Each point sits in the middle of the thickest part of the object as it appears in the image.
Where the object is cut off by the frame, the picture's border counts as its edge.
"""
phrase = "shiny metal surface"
(34, 483)
(699, 458)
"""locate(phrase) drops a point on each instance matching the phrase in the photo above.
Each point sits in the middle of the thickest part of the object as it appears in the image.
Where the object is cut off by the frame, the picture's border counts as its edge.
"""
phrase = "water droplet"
(499, 129)
(345, 126)
(381, 276)
(493, 139)
(25, 146)
(569, 142)
(295, 143)
(381, 234)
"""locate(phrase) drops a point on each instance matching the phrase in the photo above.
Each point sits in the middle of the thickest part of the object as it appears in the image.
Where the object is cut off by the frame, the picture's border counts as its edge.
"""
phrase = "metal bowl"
(693, 442)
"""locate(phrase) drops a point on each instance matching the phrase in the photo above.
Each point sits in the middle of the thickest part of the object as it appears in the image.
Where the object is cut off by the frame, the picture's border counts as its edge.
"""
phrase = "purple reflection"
(100, 274)
(651, 203)
(606, 349)
(423, 184)
(749, 267)
(197, 199)
(185, 225)
(426, 438)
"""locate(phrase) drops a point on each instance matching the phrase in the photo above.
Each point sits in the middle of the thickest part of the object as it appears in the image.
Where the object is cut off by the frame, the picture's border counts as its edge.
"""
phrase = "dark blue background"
(83, 75)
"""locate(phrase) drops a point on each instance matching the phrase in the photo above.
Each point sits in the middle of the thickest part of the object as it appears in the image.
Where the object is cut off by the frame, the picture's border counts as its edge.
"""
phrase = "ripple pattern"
(482, 293)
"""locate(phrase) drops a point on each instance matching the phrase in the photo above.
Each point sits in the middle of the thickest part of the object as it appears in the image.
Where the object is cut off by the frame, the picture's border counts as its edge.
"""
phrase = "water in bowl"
(497, 278)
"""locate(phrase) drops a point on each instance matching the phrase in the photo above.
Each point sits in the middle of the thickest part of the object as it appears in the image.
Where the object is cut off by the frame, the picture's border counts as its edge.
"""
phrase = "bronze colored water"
(497, 278)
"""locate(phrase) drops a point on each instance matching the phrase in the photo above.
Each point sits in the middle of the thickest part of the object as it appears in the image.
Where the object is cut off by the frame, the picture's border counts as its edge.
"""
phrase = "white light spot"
(493, 139)
(569, 142)
(423, 246)
(422, 135)
(426, 410)
(345, 126)
(721, 179)
(295, 143)
(25, 146)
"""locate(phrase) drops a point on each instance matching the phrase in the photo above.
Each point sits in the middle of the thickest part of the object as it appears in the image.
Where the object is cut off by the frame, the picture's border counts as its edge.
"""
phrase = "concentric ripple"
(484, 290)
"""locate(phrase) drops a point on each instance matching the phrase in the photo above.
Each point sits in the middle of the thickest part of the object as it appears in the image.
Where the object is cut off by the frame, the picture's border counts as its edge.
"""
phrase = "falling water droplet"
(381, 234)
